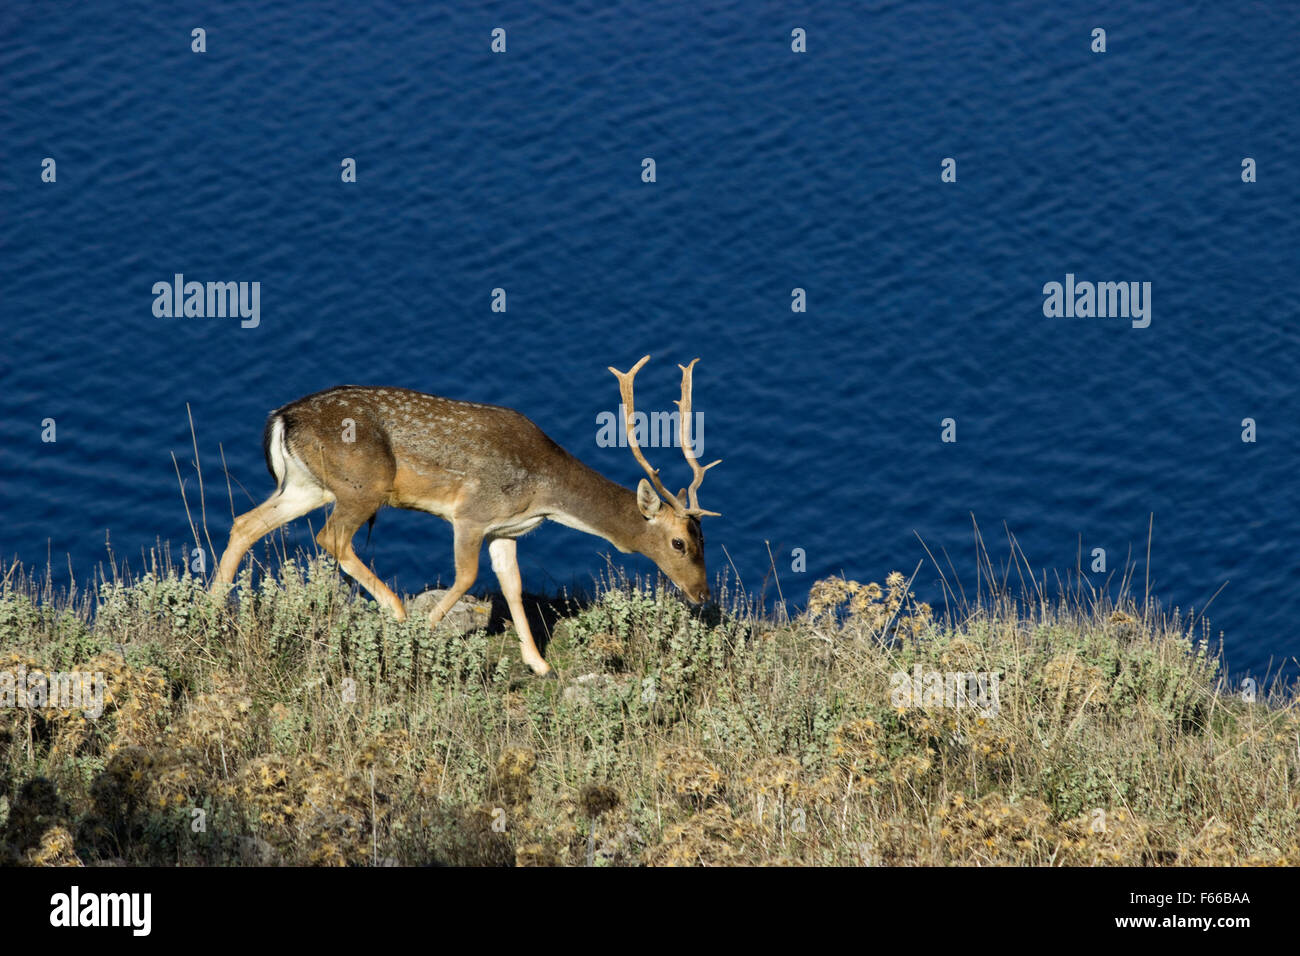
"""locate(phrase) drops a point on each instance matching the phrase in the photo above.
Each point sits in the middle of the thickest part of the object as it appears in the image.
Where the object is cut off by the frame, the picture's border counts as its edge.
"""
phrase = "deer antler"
(684, 417)
(625, 389)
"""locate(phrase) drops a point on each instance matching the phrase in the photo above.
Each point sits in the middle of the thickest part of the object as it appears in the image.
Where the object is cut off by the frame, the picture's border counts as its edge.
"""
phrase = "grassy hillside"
(302, 726)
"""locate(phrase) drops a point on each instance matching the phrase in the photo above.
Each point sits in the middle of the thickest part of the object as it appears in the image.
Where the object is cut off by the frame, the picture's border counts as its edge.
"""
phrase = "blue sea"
(773, 171)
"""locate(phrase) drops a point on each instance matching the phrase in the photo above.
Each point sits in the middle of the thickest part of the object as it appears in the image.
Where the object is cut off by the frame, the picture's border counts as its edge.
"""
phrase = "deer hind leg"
(506, 566)
(468, 542)
(336, 538)
(292, 501)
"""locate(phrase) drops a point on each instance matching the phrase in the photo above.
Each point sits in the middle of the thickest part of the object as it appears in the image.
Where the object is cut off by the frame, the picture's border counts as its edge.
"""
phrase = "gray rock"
(588, 687)
(467, 614)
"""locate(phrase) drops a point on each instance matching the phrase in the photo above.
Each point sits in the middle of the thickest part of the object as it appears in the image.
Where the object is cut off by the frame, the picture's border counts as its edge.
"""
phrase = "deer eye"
(679, 545)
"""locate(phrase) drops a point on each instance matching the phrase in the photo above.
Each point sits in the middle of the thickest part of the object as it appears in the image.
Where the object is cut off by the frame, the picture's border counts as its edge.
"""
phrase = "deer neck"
(588, 501)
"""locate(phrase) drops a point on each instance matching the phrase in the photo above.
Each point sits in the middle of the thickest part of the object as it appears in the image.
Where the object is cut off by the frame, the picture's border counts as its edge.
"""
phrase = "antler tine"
(684, 417)
(625, 389)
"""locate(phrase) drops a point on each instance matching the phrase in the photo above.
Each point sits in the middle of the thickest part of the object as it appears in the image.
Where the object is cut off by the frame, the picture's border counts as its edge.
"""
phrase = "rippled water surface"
(775, 171)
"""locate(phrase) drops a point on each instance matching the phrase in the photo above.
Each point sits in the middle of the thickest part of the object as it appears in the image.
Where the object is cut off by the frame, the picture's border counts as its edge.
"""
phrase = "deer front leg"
(467, 543)
(504, 563)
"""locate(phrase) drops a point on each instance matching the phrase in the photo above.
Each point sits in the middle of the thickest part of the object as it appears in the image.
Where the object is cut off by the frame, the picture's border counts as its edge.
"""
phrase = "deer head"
(671, 537)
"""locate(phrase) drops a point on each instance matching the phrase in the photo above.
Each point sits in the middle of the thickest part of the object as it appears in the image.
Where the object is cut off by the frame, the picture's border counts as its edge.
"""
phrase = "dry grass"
(301, 726)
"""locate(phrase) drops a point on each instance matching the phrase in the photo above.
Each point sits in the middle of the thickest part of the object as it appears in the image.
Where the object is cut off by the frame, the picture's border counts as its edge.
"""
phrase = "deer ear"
(647, 499)
(681, 497)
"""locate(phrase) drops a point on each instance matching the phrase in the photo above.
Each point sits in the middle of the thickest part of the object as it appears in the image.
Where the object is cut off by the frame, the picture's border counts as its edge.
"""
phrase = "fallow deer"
(488, 470)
